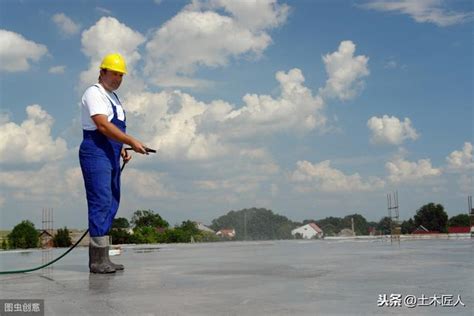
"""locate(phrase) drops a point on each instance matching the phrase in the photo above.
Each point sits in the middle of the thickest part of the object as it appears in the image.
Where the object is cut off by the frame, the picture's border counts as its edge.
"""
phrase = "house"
(308, 231)
(203, 227)
(423, 230)
(46, 239)
(459, 230)
(226, 232)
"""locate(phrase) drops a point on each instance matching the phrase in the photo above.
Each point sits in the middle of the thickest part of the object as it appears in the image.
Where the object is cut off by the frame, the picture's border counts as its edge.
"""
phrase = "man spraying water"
(104, 133)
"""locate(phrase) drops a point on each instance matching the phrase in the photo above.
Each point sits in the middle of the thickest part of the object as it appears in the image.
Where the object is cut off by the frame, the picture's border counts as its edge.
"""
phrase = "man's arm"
(112, 131)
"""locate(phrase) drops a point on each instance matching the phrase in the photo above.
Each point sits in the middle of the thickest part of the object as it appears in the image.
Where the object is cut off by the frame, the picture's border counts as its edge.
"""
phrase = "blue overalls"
(99, 157)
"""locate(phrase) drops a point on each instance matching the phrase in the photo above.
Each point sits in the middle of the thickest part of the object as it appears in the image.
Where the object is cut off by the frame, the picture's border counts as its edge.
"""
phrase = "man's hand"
(125, 155)
(138, 147)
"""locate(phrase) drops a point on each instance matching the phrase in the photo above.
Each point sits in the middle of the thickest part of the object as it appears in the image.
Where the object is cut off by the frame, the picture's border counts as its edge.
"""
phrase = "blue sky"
(308, 108)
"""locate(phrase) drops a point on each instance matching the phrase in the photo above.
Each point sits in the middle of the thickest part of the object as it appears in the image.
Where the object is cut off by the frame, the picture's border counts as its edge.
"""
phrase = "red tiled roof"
(316, 227)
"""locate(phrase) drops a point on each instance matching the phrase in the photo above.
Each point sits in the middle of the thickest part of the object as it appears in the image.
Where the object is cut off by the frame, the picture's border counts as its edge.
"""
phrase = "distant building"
(46, 239)
(308, 231)
(459, 230)
(226, 232)
(203, 227)
(423, 230)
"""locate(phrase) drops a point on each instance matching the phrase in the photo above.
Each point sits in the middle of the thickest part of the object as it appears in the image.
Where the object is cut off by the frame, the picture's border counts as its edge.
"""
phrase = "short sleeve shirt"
(97, 100)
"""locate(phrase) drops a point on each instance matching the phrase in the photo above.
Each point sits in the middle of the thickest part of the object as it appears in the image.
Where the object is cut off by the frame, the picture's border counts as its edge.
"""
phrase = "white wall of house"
(306, 231)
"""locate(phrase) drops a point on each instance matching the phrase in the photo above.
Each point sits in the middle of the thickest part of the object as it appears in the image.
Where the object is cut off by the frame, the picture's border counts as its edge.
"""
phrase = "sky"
(308, 108)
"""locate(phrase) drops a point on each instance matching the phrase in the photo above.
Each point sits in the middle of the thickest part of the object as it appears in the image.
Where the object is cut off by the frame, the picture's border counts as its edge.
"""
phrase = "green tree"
(147, 218)
(255, 224)
(120, 222)
(62, 238)
(329, 230)
(120, 236)
(330, 225)
(23, 235)
(206, 237)
(361, 226)
(432, 217)
(385, 225)
(408, 226)
(4, 244)
(145, 235)
(459, 220)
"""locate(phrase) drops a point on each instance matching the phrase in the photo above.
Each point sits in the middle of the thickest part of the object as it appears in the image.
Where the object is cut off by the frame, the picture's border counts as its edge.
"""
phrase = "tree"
(329, 230)
(361, 226)
(144, 235)
(385, 225)
(459, 220)
(255, 224)
(120, 236)
(23, 235)
(432, 217)
(62, 238)
(408, 226)
(147, 218)
(4, 244)
(120, 222)
(331, 225)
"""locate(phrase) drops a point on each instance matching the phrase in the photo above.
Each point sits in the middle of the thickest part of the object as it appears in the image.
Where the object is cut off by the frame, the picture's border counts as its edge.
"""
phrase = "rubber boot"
(117, 266)
(99, 255)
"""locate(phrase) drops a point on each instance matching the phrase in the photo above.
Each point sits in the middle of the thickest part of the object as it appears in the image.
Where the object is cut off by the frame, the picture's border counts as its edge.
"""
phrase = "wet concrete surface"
(250, 278)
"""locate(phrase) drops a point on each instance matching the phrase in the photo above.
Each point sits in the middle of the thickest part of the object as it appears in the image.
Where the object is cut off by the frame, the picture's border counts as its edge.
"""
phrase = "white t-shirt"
(96, 100)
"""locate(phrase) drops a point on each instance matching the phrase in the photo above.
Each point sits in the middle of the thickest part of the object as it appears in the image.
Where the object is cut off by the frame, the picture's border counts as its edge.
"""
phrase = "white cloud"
(67, 26)
(295, 109)
(168, 121)
(31, 141)
(390, 130)
(461, 160)
(186, 128)
(57, 70)
(213, 38)
(345, 72)
(422, 11)
(322, 177)
(146, 184)
(107, 36)
(16, 52)
(401, 170)
(50, 182)
(256, 15)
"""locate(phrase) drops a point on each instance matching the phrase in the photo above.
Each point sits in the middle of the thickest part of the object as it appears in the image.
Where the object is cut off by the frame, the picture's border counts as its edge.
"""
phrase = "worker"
(103, 124)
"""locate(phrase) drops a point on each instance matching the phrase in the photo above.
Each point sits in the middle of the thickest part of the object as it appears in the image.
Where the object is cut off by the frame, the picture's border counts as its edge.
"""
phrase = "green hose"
(49, 263)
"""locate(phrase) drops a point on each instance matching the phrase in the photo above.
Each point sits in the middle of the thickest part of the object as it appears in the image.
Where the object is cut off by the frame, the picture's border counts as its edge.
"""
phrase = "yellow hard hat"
(114, 62)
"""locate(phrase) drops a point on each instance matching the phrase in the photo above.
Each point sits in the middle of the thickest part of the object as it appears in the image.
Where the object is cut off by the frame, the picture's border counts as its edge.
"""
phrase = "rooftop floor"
(250, 278)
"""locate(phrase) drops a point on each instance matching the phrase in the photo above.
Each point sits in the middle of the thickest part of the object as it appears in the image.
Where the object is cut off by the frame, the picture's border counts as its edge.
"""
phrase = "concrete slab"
(251, 278)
